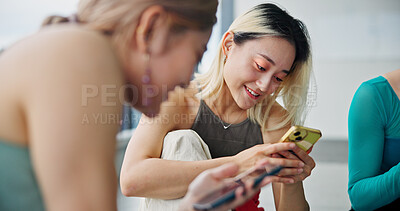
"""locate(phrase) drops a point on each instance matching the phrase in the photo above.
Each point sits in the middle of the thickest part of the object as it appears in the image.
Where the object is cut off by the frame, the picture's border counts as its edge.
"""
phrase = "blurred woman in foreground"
(55, 154)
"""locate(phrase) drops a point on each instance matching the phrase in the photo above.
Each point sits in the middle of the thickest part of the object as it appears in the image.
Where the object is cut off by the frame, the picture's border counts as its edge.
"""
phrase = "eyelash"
(278, 79)
(260, 68)
(263, 69)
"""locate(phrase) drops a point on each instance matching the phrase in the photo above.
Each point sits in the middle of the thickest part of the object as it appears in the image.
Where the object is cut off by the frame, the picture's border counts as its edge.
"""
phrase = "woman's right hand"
(249, 157)
(215, 177)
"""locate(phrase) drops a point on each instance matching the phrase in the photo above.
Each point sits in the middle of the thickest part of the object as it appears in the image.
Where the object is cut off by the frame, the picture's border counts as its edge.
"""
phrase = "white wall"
(352, 41)
(19, 18)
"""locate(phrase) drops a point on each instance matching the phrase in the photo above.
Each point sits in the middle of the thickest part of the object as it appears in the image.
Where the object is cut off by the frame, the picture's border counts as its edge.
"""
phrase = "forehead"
(269, 43)
(280, 50)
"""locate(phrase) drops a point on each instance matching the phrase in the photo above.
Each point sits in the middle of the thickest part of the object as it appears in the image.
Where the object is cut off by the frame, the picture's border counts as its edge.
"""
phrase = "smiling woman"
(264, 54)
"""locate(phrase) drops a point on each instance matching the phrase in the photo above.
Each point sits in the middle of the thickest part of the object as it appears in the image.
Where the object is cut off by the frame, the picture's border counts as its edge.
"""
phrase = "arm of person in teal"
(368, 188)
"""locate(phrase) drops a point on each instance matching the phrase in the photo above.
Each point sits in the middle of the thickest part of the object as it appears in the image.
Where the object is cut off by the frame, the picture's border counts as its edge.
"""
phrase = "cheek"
(183, 70)
(236, 77)
(176, 69)
(273, 88)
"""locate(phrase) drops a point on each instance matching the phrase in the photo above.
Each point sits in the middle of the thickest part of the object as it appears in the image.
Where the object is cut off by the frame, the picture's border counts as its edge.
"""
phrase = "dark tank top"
(225, 142)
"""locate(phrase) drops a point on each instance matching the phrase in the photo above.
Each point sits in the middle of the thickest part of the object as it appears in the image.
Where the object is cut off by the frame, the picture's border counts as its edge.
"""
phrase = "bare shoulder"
(68, 56)
(73, 38)
(67, 69)
(60, 69)
(277, 114)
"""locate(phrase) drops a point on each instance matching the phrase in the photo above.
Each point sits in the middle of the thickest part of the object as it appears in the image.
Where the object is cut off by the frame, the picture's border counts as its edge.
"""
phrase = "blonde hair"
(268, 20)
(119, 18)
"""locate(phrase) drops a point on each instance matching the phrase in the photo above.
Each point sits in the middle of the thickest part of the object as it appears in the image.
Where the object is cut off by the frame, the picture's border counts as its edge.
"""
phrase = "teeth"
(253, 93)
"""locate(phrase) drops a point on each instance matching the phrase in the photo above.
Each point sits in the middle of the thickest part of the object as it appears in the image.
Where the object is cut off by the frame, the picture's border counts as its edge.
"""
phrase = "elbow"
(127, 190)
(354, 203)
(356, 206)
(129, 185)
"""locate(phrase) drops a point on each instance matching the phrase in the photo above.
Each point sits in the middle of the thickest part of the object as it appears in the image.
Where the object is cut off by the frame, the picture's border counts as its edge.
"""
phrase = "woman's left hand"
(297, 154)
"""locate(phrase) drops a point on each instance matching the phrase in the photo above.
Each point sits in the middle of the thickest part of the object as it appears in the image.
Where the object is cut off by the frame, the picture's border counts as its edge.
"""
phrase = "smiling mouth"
(251, 92)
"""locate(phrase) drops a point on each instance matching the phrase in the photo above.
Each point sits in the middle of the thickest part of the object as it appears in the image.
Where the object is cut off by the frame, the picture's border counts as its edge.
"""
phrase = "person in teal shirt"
(374, 144)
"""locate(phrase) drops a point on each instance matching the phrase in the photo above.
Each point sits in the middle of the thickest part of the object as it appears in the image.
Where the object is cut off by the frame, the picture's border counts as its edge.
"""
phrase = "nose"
(263, 83)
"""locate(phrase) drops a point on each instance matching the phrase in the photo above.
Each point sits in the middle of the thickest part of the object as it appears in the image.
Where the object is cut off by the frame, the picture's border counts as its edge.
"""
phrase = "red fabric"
(251, 205)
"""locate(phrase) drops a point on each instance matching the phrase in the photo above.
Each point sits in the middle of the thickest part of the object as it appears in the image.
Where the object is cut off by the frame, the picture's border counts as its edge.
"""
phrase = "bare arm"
(288, 196)
(72, 152)
(143, 173)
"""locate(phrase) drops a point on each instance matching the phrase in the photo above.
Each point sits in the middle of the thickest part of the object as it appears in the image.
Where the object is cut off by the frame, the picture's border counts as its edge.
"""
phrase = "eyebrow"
(272, 62)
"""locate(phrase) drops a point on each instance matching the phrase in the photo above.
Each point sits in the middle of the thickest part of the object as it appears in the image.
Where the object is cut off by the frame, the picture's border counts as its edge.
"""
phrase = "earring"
(225, 59)
(146, 79)
(146, 76)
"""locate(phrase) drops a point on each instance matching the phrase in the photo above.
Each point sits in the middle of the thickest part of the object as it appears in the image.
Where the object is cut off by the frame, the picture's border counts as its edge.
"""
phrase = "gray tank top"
(225, 142)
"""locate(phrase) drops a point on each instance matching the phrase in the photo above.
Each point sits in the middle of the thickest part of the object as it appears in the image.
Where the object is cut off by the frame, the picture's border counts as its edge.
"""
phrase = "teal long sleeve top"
(374, 145)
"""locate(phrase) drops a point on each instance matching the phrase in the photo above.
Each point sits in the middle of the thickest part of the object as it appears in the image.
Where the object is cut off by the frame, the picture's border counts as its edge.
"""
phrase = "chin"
(245, 105)
(149, 110)
(150, 114)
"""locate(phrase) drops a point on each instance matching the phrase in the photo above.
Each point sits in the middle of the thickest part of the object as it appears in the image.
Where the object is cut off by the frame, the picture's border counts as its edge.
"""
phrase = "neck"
(226, 107)
(393, 78)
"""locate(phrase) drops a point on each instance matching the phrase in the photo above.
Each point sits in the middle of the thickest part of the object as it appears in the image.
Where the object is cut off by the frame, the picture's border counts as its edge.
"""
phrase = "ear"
(227, 42)
(152, 24)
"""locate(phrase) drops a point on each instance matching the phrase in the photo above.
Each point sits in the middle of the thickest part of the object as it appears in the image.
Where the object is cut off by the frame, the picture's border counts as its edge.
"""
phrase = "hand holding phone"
(304, 138)
(226, 192)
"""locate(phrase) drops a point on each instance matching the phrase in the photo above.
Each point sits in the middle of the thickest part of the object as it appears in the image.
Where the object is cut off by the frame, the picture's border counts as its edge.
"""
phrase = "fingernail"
(292, 145)
(299, 170)
(301, 164)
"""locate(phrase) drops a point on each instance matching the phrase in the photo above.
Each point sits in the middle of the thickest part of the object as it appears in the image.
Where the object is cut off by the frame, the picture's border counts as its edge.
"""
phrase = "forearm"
(164, 179)
(292, 197)
(374, 192)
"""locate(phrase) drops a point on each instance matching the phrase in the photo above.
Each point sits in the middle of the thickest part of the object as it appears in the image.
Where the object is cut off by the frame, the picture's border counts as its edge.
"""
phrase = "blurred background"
(352, 41)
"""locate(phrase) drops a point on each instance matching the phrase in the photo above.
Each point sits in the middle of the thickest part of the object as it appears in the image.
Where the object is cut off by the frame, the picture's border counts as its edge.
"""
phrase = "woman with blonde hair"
(62, 90)
(230, 114)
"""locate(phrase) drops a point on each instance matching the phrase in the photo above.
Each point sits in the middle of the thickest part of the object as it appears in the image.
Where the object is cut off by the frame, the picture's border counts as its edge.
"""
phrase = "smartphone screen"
(226, 193)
